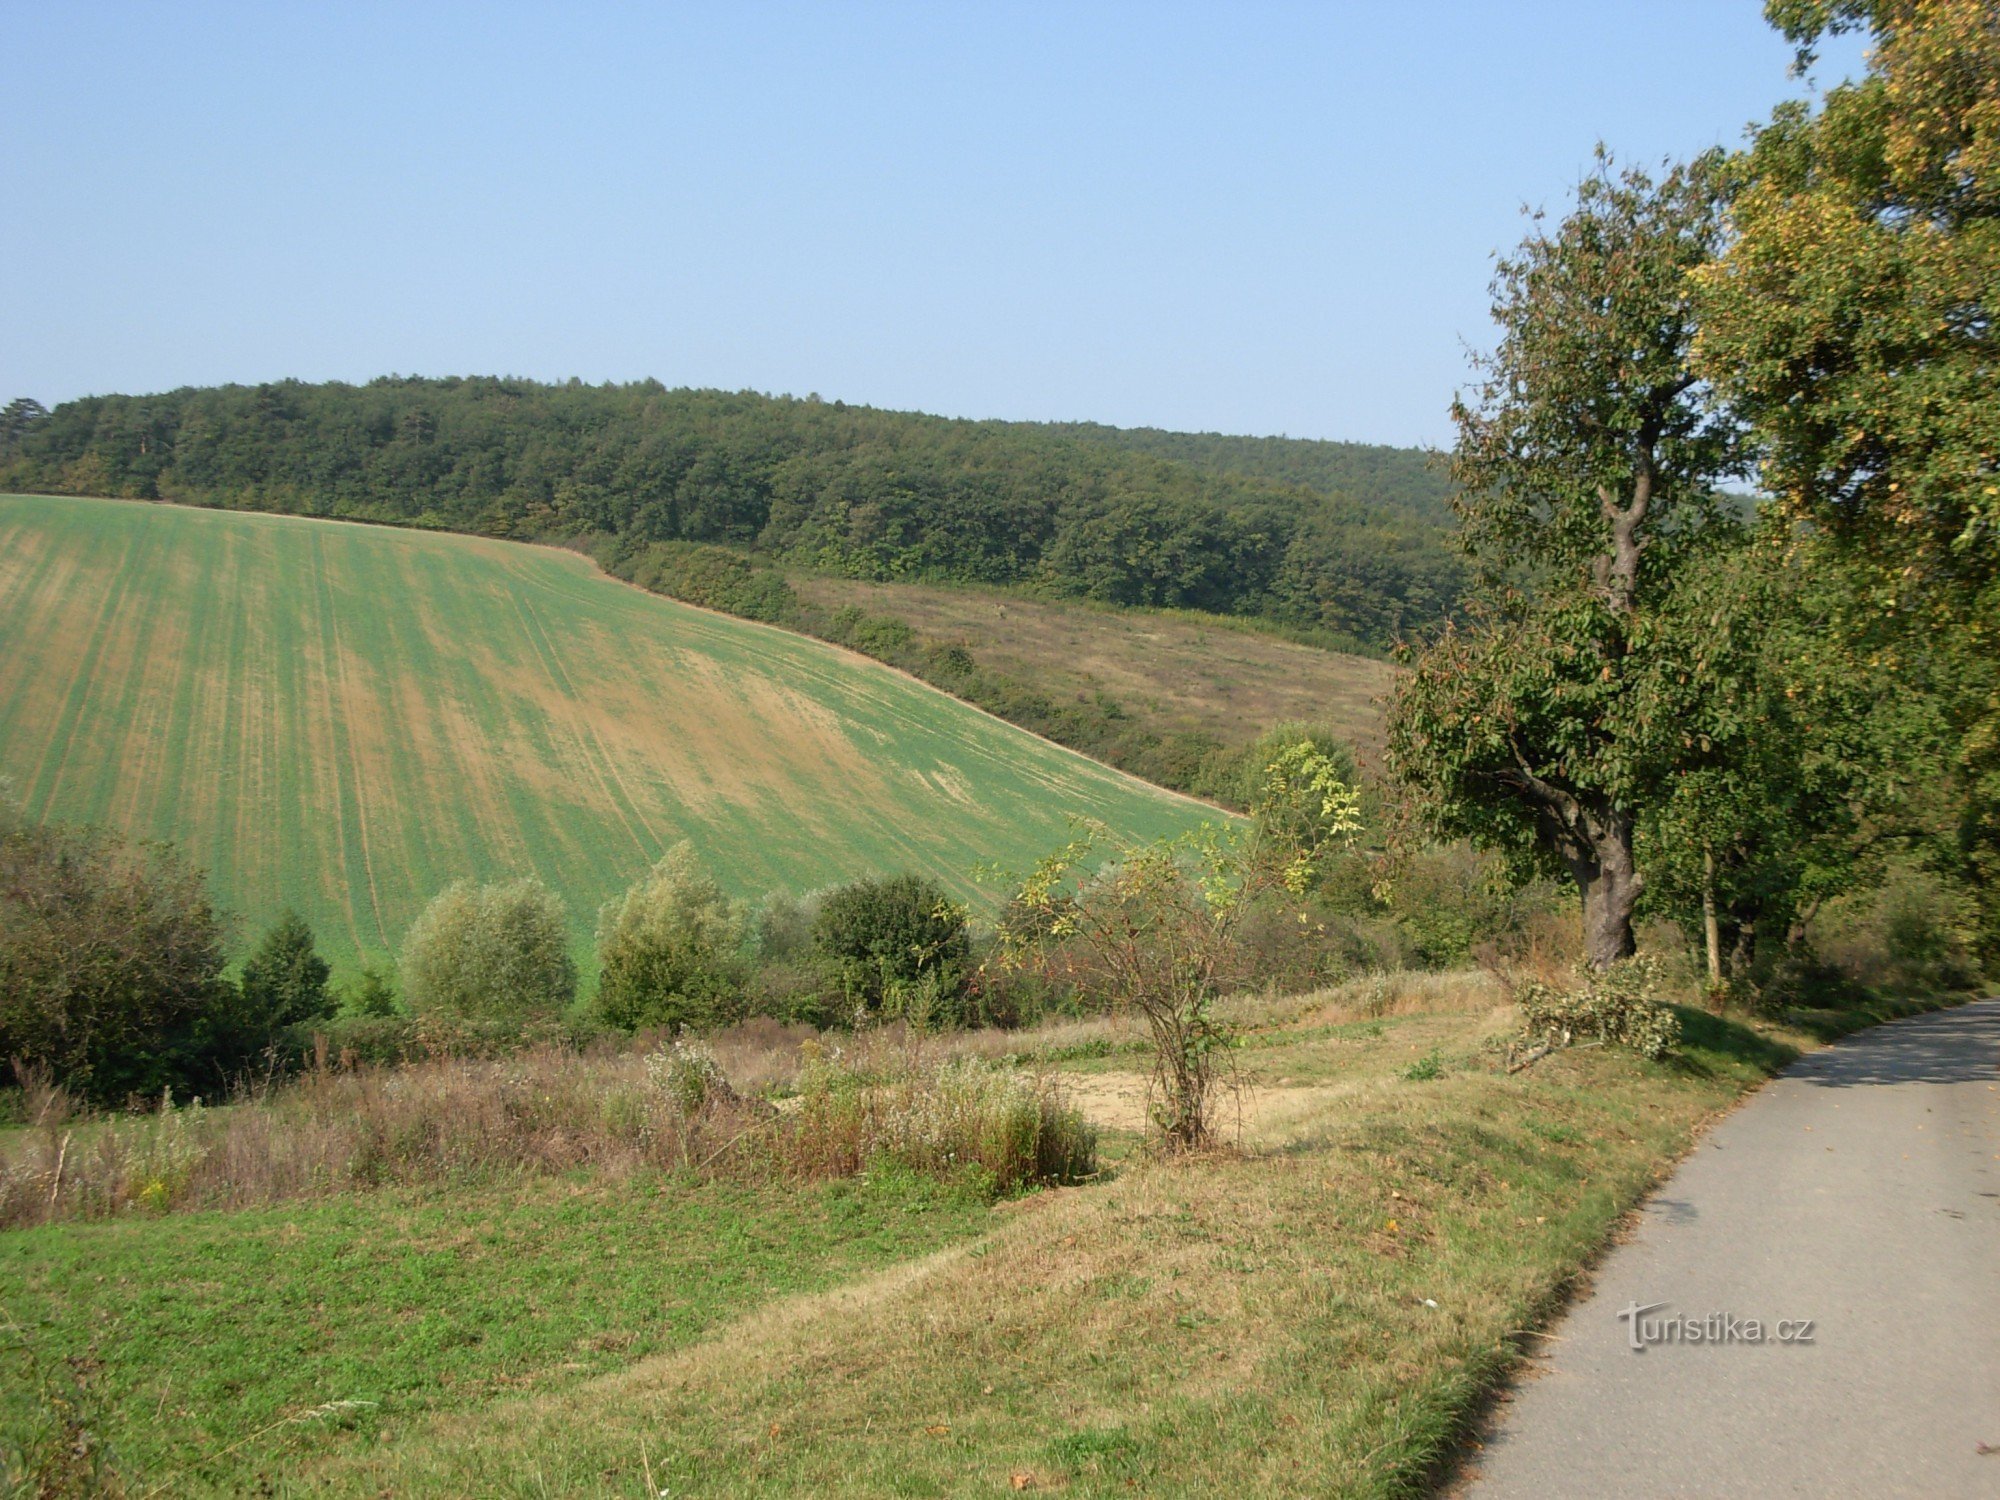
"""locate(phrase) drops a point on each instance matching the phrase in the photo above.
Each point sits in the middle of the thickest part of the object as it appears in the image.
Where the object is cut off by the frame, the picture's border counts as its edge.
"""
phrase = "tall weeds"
(545, 1111)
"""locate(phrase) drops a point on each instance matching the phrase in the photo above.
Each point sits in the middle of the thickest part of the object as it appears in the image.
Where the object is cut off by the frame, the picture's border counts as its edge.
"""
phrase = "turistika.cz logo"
(1643, 1332)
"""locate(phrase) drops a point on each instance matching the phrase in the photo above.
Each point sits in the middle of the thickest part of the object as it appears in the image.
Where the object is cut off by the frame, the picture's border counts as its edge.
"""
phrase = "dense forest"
(1341, 540)
(1409, 481)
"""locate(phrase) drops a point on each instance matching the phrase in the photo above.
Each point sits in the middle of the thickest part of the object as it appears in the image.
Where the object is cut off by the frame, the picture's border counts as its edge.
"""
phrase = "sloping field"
(1175, 672)
(346, 718)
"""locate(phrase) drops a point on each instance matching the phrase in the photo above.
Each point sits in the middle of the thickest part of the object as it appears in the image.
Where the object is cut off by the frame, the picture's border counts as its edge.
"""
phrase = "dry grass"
(1179, 674)
(549, 1111)
(1309, 1314)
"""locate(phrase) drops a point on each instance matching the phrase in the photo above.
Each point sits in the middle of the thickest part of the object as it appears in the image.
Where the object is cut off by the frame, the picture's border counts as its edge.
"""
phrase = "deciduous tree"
(1590, 456)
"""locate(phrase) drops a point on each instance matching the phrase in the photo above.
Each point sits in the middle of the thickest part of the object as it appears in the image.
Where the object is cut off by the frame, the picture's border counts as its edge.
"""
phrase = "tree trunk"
(1609, 882)
(1711, 925)
(1743, 952)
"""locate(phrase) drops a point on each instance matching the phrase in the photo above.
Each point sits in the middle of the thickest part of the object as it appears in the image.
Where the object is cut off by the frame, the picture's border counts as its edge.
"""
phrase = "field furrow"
(345, 718)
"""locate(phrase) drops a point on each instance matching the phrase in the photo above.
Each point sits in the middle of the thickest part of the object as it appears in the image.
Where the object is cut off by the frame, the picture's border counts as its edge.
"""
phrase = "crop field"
(346, 718)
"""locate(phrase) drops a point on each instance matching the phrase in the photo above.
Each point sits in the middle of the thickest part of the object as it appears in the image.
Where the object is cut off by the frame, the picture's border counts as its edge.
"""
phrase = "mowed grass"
(206, 1341)
(1173, 671)
(346, 718)
(1319, 1316)
(1317, 1313)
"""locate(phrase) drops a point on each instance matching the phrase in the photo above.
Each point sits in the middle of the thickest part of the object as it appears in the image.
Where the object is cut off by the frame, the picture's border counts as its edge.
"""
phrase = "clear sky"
(1240, 217)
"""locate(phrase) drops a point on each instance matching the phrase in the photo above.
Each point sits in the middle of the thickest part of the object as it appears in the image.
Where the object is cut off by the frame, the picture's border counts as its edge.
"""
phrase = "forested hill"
(852, 490)
(1403, 480)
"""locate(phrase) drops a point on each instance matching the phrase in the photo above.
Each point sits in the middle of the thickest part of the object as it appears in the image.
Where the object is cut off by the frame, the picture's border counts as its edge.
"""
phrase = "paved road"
(1860, 1190)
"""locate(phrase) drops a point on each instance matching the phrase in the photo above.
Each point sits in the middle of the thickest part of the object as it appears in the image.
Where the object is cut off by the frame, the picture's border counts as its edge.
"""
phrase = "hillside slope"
(1172, 674)
(346, 718)
(852, 490)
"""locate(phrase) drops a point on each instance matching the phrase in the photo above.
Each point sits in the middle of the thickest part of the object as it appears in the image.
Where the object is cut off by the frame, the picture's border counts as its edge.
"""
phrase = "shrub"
(672, 950)
(1615, 1006)
(1915, 931)
(284, 981)
(782, 926)
(713, 577)
(489, 960)
(901, 941)
(371, 994)
(111, 960)
(963, 1118)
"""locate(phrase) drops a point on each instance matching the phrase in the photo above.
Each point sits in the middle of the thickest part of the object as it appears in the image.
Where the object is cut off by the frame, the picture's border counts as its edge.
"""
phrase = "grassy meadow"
(1177, 673)
(346, 718)
(1315, 1310)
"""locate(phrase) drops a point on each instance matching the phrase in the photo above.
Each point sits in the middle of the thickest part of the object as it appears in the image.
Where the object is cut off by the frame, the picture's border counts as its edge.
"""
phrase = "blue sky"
(1243, 217)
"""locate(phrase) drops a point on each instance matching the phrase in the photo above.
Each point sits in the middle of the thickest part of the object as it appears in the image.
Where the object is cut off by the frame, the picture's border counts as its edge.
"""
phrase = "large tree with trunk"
(1855, 320)
(1589, 458)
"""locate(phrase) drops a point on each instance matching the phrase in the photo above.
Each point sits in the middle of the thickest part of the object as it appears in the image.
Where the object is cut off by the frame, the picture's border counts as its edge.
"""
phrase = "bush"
(490, 961)
(370, 994)
(712, 577)
(1615, 1006)
(963, 1118)
(896, 943)
(284, 981)
(672, 950)
(111, 960)
(1914, 932)
(782, 927)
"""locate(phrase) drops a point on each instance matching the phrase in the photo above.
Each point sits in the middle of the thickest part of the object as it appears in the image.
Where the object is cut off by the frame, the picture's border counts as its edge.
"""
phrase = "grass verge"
(1314, 1315)
(1321, 1311)
(192, 1347)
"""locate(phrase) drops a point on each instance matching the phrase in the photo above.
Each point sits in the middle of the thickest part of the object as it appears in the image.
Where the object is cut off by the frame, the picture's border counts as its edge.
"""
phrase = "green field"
(346, 718)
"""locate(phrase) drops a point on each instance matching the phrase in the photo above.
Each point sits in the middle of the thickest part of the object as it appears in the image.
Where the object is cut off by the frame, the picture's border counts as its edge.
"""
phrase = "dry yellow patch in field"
(346, 718)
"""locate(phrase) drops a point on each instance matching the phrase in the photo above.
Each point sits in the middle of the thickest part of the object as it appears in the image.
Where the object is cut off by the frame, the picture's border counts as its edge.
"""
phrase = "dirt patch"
(1263, 1114)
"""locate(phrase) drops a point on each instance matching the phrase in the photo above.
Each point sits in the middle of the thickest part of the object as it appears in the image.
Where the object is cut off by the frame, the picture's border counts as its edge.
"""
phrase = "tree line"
(848, 489)
(1729, 719)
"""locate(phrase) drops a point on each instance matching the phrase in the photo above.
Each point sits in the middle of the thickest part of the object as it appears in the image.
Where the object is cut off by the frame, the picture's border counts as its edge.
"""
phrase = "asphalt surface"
(1860, 1190)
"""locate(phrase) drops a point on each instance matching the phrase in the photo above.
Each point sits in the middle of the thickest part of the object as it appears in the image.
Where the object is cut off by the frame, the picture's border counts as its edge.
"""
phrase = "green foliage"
(869, 494)
(1615, 1005)
(1308, 808)
(370, 994)
(111, 960)
(1590, 457)
(1915, 932)
(1158, 928)
(1426, 1069)
(284, 980)
(490, 958)
(781, 927)
(894, 941)
(1813, 746)
(1851, 319)
(1407, 480)
(695, 573)
(672, 949)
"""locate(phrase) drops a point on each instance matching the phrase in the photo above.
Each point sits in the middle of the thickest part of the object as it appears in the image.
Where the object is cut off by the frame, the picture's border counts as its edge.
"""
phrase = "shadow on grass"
(1707, 1039)
(1830, 1024)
